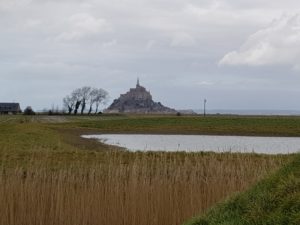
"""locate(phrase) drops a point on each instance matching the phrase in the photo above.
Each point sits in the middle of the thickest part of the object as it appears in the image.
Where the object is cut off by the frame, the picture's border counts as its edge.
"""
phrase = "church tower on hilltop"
(138, 100)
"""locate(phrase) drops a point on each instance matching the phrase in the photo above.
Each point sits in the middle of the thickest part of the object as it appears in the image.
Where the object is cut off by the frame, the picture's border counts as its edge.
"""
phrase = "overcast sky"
(236, 54)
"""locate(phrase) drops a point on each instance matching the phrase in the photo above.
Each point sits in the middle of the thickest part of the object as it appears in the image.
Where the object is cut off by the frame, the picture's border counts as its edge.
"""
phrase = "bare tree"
(100, 98)
(85, 93)
(92, 99)
(69, 103)
(76, 94)
(80, 97)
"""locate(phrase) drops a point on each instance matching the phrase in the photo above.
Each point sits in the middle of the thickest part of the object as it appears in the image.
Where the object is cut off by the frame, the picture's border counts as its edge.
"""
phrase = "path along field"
(48, 175)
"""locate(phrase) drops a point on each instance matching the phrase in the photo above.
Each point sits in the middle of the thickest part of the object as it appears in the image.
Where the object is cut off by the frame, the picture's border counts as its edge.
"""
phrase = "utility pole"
(204, 111)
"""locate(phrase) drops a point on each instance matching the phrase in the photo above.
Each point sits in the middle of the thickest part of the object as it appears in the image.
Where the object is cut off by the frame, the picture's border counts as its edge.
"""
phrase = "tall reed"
(126, 188)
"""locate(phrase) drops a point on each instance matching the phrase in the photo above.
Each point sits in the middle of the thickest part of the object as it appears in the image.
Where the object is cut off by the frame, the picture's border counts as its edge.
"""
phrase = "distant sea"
(249, 112)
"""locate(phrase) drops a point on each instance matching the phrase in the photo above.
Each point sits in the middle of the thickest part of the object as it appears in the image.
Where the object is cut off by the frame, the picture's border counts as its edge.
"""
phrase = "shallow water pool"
(196, 143)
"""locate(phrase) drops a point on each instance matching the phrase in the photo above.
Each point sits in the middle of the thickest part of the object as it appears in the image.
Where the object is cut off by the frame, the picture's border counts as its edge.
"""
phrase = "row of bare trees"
(84, 99)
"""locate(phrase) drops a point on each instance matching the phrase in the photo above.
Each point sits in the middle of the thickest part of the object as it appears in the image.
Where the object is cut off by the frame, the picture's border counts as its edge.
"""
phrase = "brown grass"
(126, 188)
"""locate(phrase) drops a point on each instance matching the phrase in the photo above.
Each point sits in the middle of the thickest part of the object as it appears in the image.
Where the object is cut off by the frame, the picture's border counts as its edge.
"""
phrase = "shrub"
(28, 111)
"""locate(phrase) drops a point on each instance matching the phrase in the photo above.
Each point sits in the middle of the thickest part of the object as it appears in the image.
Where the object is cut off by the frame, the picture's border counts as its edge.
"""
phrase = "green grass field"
(45, 155)
(222, 125)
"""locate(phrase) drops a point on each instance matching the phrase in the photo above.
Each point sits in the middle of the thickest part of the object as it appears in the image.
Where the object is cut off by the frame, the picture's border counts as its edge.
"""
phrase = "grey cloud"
(81, 25)
(11, 5)
(49, 47)
(277, 43)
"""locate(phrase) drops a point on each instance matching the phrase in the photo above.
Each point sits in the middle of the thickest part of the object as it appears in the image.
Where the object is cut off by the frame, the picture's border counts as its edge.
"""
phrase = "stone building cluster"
(138, 100)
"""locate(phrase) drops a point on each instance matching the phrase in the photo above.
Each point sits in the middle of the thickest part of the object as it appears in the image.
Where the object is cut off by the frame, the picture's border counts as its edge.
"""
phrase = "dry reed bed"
(127, 188)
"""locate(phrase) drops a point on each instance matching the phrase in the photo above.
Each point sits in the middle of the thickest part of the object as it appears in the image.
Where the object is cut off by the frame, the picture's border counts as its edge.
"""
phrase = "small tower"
(138, 82)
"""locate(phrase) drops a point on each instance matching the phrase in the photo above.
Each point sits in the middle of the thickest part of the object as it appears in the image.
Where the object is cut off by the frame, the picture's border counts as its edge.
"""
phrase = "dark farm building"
(9, 108)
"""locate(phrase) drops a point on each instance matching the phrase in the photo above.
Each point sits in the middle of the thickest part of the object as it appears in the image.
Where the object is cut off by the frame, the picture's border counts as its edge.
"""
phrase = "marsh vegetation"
(48, 175)
(123, 188)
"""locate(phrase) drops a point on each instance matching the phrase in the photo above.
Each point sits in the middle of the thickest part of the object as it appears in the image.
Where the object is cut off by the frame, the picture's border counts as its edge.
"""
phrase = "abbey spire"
(138, 100)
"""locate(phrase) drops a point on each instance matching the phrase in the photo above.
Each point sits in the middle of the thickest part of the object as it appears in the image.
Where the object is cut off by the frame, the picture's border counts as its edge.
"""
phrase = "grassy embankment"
(275, 200)
(48, 175)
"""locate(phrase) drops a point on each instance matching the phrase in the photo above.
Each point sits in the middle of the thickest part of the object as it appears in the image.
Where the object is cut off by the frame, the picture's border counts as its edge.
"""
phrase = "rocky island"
(138, 100)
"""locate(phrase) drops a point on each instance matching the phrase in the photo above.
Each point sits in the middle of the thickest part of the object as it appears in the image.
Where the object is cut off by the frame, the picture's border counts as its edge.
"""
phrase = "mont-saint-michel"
(138, 100)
